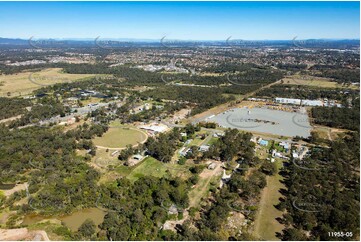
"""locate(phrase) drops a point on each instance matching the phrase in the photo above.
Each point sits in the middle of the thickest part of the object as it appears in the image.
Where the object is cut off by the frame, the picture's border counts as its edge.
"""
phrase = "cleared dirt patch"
(17, 188)
(23, 234)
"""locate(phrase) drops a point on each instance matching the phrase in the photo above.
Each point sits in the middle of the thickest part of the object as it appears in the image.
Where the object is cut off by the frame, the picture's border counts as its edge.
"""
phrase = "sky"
(181, 20)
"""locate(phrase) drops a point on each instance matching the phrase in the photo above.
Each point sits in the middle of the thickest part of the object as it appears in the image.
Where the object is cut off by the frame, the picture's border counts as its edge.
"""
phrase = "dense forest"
(342, 75)
(242, 74)
(58, 180)
(346, 118)
(108, 86)
(204, 97)
(44, 109)
(292, 67)
(324, 197)
(304, 92)
(233, 144)
(11, 107)
(164, 146)
(137, 211)
(226, 67)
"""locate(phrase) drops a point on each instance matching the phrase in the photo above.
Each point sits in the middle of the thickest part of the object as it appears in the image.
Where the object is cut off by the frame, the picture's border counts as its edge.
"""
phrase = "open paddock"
(118, 137)
(315, 82)
(25, 83)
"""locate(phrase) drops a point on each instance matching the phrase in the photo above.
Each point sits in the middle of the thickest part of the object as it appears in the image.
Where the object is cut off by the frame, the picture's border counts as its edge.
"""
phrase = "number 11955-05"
(340, 234)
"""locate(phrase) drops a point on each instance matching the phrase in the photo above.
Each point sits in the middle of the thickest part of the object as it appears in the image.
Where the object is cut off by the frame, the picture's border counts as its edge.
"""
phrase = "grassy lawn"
(119, 137)
(148, 167)
(212, 141)
(102, 157)
(200, 191)
(279, 148)
(177, 170)
(314, 82)
(266, 225)
(91, 100)
(153, 167)
(24, 83)
(109, 166)
(124, 170)
(195, 141)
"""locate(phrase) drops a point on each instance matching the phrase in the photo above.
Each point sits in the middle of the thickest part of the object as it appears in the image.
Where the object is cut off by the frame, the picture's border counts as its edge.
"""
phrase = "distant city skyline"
(180, 20)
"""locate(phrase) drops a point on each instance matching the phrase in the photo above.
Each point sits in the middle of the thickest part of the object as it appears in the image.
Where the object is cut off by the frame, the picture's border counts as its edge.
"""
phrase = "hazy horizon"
(211, 21)
(169, 39)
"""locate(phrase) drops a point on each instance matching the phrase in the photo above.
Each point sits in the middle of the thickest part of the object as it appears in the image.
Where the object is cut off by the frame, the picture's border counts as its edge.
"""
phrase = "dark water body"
(6, 186)
(73, 221)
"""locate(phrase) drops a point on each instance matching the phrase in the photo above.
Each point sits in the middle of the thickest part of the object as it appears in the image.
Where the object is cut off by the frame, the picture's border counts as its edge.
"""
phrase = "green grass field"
(148, 167)
(124, 170)
(153, 167)
(120, 137)
(266, 225)
(195, 142)
(212, 141)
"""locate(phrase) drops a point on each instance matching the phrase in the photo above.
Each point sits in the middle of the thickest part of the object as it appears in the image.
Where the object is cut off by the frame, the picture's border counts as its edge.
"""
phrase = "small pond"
(73, 221)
